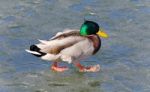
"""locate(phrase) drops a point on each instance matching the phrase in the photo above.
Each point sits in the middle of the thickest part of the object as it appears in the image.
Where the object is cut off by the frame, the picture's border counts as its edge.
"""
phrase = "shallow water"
(124, 57)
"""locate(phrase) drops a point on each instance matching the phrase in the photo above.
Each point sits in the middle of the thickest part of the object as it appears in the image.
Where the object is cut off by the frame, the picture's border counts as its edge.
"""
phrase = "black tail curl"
(37, 49)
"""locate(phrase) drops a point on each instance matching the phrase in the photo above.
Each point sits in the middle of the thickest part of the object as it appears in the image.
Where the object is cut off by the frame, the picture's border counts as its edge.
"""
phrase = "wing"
(65, 33)
(60, 42)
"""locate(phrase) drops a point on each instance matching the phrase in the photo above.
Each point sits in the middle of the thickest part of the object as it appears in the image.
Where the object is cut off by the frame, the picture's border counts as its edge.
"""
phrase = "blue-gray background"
(124, 57)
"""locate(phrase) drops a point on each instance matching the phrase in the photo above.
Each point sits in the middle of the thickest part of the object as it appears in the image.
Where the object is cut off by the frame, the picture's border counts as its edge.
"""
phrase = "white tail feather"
(43, 41)
(32, 52)
(59, 33)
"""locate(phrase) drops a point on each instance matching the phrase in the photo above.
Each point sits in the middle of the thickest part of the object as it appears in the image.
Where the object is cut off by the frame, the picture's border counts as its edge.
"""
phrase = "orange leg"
(57, 68)
(82, 68)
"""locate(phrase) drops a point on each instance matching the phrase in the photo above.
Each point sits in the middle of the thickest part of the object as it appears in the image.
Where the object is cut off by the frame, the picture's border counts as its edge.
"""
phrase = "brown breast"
(96, 42)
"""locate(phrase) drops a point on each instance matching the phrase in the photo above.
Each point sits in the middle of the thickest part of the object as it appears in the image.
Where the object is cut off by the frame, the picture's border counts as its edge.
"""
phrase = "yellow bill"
(102, 34)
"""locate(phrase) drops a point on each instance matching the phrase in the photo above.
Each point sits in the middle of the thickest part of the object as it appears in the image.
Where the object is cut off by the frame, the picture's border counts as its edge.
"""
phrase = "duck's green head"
(90, 27)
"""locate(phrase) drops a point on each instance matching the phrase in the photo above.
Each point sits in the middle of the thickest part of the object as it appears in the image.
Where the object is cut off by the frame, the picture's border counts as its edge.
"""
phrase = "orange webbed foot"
(57, 68)
(94, 68)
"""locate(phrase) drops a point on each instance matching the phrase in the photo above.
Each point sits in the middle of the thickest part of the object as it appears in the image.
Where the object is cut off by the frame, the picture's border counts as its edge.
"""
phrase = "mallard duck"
(71, 46)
